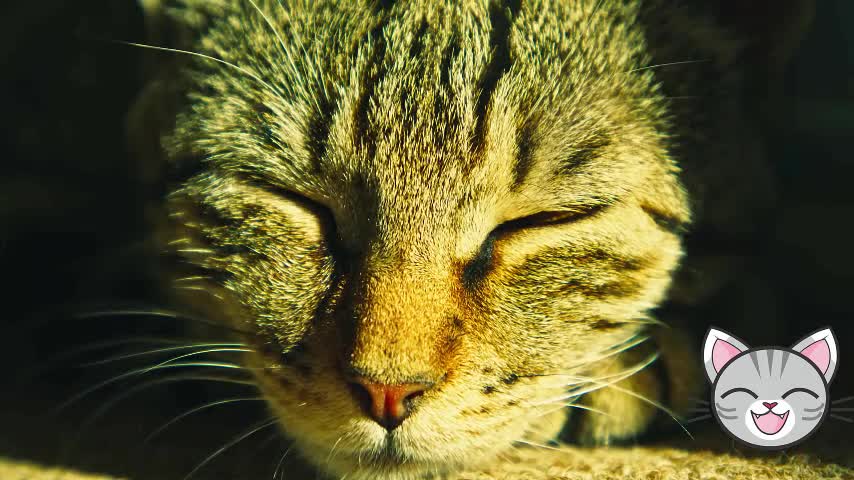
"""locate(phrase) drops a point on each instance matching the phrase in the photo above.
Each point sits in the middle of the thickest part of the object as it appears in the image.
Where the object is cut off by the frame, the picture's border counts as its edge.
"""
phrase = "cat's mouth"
(769, 422)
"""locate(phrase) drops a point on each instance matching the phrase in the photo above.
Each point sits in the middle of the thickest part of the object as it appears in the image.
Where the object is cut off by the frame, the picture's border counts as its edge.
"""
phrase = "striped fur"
(480, 194)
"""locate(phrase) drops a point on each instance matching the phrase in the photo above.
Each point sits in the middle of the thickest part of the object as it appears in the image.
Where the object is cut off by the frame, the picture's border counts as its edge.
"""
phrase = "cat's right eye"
(739, 389)
(800, 389)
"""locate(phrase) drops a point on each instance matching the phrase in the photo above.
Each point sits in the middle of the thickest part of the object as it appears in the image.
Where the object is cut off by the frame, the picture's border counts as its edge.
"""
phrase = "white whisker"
(201, 55)
(159, 350)
(255, 429)
(206, 406)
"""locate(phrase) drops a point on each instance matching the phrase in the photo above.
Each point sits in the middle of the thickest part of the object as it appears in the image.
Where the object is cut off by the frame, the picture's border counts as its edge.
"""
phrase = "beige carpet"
(829, 456)
(581, 464)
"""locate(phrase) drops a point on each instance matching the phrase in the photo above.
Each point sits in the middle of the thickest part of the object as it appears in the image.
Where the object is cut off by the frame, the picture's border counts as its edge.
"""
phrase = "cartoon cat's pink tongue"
(770, 423)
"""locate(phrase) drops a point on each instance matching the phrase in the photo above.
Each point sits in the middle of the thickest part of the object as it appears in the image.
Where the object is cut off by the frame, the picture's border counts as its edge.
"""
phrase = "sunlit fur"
(360, 173)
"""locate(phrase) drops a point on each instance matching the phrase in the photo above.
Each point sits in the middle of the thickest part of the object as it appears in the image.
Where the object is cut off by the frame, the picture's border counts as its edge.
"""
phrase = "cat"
(770, 397)
(439, 226)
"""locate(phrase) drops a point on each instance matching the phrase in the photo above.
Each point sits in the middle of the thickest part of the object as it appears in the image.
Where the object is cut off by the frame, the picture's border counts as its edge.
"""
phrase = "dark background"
(72, 226)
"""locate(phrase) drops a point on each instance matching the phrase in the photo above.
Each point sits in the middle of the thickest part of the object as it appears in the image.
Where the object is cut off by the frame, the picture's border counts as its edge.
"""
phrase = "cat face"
(770, 398)
(432, 217)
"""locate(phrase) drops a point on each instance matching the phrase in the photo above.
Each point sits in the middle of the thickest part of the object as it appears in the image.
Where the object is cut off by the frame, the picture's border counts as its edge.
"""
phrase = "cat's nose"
(769, 405)
(389, 405)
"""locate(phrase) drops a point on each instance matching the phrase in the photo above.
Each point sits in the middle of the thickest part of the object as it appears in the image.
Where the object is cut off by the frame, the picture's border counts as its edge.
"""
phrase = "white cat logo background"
(770, 397)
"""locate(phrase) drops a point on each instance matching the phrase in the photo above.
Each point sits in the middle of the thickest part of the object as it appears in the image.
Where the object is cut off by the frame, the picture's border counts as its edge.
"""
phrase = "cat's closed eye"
(478, 266)
(739, 389)
(800, 389)
(545, 219)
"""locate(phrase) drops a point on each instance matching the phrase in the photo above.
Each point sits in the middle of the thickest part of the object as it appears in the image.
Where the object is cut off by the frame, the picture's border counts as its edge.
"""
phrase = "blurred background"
(72, 223)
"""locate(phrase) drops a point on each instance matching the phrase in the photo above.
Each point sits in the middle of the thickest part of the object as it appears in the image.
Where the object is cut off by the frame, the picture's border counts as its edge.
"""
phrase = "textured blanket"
(576, 464)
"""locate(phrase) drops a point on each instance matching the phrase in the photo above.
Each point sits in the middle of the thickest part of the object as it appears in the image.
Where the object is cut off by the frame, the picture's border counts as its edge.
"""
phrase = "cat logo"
(770, 398)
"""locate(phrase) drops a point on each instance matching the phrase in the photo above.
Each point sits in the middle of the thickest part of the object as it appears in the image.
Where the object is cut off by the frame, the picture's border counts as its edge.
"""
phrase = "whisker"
(115, 400)
(842, 400)
(589, 409)
(840, 417)
(75, 398)
(668, 64)
(159, 350)
(195, 410)
(193, 354)
(200, 55)
(90, 347)
(158, 313)
(598, 382)
(200, 288)
(621, 347)
(255, 429)
(281, 462)
(655, 404)
(836, 409)
(334, 446)
(644, 399)
(535, 444)
(698, 419)
(194, 278)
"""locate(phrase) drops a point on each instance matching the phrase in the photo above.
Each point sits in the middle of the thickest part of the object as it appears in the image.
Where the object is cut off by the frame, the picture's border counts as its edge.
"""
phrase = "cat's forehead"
(439, 97)
(770, 368)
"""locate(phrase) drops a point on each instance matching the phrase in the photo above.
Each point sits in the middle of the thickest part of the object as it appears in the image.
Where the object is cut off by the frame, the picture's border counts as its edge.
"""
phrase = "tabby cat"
(442, 225)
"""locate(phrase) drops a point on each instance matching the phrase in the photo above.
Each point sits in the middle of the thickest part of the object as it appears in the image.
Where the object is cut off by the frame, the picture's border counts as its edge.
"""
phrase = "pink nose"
(388, 405)
(769, 405)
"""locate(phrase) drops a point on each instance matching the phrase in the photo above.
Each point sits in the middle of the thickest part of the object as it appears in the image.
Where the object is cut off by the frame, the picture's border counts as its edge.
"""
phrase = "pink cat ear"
(820, 349)
(719, 348)
(722, 353)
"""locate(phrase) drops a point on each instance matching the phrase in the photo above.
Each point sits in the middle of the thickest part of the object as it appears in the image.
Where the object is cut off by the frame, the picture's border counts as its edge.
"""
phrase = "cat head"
(441, 209)
(770, 397)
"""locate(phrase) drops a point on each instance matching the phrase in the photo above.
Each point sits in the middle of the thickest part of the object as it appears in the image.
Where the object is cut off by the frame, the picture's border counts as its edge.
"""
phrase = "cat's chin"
(387, 463)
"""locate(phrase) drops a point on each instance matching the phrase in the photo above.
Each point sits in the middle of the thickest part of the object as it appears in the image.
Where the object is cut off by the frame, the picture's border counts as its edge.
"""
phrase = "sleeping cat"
(440, 225)
(770, 398)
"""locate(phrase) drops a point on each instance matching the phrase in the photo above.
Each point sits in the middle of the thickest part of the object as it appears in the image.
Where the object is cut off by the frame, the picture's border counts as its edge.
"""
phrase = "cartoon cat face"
(770, 397)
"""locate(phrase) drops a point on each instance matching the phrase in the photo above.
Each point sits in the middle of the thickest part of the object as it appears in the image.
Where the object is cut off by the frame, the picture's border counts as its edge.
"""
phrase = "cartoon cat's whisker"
(255, 429)
(841, 400)
(195, 410)
(836, 409)
(697, 419)
(840, 417)
(157, 351)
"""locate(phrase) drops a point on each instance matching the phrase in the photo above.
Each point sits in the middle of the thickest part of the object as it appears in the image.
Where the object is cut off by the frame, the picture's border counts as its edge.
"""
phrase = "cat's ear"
(719, 348)
(820, 348)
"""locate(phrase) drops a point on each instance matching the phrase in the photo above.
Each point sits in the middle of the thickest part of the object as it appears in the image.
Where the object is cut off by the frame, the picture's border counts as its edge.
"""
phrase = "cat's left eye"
(800, 389)
(544, 219)
(739, 389)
